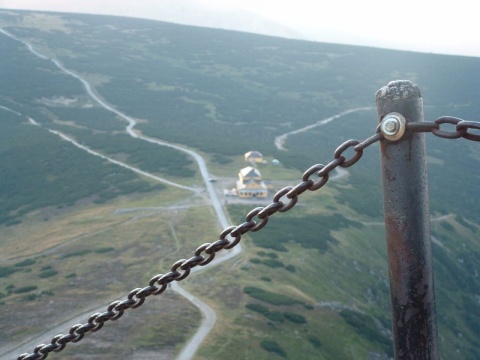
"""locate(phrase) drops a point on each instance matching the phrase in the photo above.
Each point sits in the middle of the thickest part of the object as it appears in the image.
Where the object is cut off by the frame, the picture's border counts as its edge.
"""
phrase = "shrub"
(25, 262)
(221, 159)
(270, 297)
(48, 273)
(464, 223)
(447, 226)
(257, 308)
(306, 232)
(72, 275)
(24, 289)
(272, 263)
(265, 278)
(365, 326)
(104, 250)
(272, 346)
(274, 316)
(13, 222)
(294, 317)
(30, 297)
(315, 341)
(77, 253)
(6, 271)
(290, 268)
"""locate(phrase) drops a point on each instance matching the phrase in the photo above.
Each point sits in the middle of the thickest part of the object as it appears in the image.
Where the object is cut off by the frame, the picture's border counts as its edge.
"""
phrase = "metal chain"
(231, 235)
(462, 128)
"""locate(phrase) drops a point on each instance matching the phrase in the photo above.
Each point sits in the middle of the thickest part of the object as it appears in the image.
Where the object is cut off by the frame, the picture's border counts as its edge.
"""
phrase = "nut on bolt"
(393, 126)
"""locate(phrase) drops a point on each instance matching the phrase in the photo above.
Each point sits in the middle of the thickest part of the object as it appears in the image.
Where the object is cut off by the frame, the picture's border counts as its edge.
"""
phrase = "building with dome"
(250, 184)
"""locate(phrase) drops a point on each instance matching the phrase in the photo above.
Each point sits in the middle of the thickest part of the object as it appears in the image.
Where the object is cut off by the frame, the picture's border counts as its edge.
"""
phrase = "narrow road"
(209, 321)
(280, 140)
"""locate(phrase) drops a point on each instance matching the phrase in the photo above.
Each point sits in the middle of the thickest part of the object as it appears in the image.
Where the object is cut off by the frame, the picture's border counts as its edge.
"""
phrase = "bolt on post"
(393, 126)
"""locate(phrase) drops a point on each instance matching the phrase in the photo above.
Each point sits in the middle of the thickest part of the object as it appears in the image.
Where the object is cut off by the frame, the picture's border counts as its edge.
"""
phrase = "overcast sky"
(446, 27)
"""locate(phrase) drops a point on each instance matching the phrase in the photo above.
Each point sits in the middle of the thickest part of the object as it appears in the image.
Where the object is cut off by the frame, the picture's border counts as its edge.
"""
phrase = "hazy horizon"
(430, 27)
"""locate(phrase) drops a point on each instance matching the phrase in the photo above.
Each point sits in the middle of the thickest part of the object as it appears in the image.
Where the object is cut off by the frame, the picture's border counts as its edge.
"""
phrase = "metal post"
(407, 222)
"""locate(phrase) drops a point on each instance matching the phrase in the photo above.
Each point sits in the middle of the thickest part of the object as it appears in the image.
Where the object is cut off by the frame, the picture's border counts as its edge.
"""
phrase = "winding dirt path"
(280, 140)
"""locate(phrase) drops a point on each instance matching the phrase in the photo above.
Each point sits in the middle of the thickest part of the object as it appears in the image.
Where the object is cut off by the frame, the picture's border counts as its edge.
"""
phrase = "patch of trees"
(6, 271)
(449, 192)
(365, 326)
(456, 288)
(146, 156)
(277, 316)
(309, 231)
(24, 289)
(270, 260)
(303, 230)
(26, 79)
(459, 270)
(26, 262)
(270, 297)
(273, 347)
(47, 271)
(41, 170)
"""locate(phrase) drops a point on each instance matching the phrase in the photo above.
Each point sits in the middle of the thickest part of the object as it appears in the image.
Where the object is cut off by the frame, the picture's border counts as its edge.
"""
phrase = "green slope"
(224, 93)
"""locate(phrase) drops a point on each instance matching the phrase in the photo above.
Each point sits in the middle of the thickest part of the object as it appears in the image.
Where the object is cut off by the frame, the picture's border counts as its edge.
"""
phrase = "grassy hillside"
(75, 228)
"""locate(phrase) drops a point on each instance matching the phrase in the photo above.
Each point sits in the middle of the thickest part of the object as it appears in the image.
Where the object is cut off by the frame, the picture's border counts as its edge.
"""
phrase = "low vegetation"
(59, 175)
(306, 235)
(274, 347)
(270, 297)
(367, 328)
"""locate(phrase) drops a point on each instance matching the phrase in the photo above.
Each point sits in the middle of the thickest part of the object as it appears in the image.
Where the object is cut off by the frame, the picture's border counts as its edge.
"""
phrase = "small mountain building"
(253, 157)
(250, 184)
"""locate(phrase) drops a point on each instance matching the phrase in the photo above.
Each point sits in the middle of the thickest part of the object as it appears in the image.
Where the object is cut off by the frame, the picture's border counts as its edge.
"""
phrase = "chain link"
(469, 125)
(231, 235)
(462, 128)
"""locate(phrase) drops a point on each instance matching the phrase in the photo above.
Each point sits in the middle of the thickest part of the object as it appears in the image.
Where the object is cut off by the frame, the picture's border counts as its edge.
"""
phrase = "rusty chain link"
(231, 235)
(462, 128)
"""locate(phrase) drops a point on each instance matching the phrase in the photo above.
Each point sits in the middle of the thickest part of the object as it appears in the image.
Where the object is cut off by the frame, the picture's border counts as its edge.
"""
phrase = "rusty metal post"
(407, 222)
